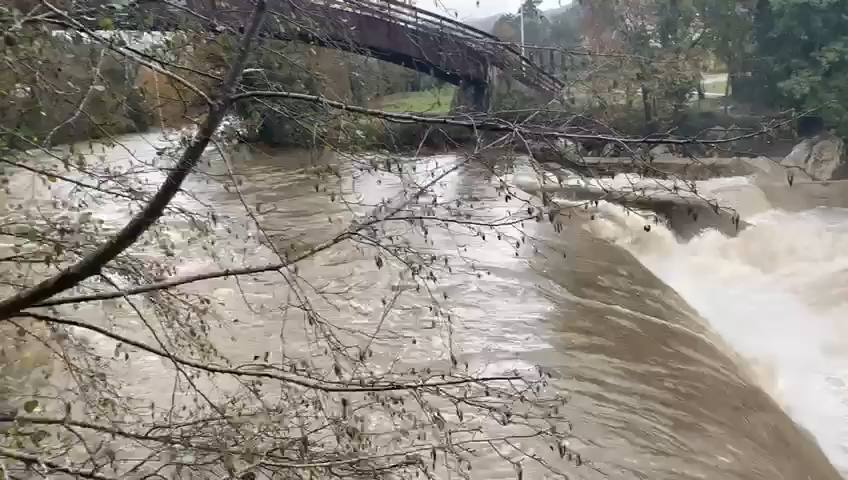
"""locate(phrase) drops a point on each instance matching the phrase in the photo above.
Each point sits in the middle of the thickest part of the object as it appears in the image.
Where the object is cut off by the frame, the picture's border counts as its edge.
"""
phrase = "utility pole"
(521, 20)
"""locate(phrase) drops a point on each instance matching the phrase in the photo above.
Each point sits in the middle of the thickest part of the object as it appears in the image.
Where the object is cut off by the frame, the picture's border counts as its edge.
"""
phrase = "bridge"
(388, 30)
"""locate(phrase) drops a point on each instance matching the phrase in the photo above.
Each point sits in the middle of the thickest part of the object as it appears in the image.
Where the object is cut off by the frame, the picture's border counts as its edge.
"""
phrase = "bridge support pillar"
(472, 97)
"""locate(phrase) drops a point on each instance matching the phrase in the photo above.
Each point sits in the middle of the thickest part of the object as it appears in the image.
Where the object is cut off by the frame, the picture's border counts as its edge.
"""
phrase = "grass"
(715, 83)
(435, 101)
(716, 87)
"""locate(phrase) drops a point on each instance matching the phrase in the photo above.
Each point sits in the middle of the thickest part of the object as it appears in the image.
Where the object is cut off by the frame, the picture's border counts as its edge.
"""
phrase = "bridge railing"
(413, 18)
(318, 14)
(425, 20)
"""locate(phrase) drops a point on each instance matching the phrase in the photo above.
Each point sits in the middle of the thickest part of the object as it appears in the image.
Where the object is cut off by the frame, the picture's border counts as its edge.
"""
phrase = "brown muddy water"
(655, 392)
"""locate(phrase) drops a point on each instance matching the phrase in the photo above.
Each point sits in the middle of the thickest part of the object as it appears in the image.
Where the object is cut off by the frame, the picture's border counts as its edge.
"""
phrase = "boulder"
(765, 170)
(660, 151)
(611, 149)
(821, 157)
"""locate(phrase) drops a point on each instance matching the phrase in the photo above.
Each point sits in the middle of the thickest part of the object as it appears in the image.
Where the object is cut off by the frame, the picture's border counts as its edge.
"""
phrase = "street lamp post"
(521, 21)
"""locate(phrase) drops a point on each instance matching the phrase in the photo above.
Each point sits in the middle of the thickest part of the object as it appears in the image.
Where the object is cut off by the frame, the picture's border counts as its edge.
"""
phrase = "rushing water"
(778, 293)
(656, 391)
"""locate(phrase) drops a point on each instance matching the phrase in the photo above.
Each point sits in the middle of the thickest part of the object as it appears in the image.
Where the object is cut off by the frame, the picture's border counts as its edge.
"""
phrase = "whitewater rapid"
(777, 293)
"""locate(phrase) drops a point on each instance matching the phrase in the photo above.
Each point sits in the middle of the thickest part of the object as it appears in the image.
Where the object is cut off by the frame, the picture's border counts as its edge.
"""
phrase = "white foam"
(777, 293)
(635, 182)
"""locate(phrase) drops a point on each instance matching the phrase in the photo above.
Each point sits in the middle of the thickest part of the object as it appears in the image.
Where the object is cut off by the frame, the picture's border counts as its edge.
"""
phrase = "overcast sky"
(469, 9)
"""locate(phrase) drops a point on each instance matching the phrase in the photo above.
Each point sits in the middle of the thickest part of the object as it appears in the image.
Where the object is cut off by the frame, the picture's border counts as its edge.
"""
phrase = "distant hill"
(487, 24)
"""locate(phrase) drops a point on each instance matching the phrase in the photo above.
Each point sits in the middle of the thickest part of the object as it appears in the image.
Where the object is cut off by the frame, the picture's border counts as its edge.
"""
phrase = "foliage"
(729, 35)
(536, 25)
(802, 48)
(561, 28)
(657, 52)
(50, 94)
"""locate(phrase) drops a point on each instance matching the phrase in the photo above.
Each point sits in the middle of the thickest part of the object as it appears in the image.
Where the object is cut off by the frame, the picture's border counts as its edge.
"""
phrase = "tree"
(801, 48)
(729, 33)
(565, 28)
(658, 43)
(540, 28)
(536, 25)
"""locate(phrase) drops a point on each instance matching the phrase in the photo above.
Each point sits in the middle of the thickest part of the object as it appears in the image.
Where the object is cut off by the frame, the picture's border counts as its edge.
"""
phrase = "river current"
(681, 359)
(777, 293)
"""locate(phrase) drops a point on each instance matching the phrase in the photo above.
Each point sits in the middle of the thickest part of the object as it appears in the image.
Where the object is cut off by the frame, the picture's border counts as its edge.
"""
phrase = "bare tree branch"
(496, 125)
(299, 380)
(51, 465)
(91, 264)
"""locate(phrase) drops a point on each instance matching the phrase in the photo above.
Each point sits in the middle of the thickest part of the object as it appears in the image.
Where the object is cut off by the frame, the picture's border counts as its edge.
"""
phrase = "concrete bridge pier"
(472, 97)
(476, 96)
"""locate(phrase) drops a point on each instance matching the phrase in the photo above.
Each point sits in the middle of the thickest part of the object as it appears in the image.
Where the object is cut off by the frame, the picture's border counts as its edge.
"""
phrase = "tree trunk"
(730, 76)
(646, 105)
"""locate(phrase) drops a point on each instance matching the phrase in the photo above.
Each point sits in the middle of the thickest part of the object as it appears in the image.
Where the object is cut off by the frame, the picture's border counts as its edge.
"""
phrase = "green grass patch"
(717, 88)
(715, 83)
(435, 101)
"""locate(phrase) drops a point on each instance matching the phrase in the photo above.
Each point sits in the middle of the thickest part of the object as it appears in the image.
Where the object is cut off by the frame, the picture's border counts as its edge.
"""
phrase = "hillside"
(488, 23)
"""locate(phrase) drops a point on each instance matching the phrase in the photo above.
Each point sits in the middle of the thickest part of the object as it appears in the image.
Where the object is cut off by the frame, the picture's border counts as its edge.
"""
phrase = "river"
(678, 358)
(778, 293)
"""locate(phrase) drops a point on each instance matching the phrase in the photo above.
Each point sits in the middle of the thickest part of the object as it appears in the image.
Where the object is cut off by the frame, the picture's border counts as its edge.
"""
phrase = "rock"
(765, 169)
(660, 151)
(611, 149)
(821, 157)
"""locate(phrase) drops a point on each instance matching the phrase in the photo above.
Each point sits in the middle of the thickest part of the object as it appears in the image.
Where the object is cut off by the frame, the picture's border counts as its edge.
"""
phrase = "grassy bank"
(436, 101)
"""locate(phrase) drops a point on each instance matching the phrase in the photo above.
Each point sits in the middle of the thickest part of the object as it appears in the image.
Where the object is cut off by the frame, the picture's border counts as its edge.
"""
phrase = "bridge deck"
(386, 29)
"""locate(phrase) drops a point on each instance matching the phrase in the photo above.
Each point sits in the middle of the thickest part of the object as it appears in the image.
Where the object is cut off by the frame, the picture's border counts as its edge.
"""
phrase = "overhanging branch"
(292, 379)
(141, 222)
(497, 125)
(34, 459)
(373, 220)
